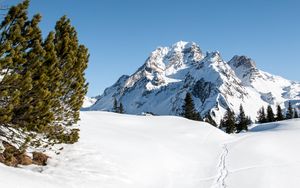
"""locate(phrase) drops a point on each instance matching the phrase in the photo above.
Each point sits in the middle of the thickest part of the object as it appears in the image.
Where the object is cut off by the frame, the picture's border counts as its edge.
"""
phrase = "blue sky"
(120, 34)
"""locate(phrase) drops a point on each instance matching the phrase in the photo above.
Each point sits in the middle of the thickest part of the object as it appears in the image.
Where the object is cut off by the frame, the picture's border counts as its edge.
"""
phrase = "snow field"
(167, 152)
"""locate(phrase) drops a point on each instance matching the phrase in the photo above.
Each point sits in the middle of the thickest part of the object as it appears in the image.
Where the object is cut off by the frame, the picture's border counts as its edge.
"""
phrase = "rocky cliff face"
(161, 83)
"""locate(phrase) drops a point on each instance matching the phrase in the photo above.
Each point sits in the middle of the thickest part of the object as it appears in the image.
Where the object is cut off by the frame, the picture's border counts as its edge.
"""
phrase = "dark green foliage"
(262, 116)
(296, 115)
(228, 122)
(58, 134)
(118, 109)
(290, 112)
(72, 61)
(115, 106)
(209, 119)
(270, 114)
(13, 44)
(121, 108)
(189, 111)
(243, 120)
(279, 114)
(43, 83)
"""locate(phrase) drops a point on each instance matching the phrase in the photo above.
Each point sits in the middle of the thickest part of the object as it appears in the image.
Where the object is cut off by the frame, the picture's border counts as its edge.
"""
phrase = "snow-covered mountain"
(161, 83)
(88, 101)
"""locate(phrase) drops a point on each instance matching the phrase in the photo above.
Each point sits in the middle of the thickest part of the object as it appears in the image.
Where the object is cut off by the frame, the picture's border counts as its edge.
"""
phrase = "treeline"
(118, 108)
(42, 83)
(232, 123)
(266, 116)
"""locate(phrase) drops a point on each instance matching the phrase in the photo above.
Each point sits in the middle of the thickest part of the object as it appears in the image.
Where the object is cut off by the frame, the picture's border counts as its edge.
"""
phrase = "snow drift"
(149, 152)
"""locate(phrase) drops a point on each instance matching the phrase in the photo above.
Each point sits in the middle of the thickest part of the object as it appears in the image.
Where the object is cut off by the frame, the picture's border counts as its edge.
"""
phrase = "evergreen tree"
(296, 115)
(243, 121)
(115, 106)
(210, 120)
(189, 111)
(13, 45)
(199, 117)
(23, 81)
(72, 60)
(33, 110)
(229, 121)
(121, 108)
(55, 77)
(279, 115)
(270, 114)
(290, 112)
(42, 82)
(262, 115)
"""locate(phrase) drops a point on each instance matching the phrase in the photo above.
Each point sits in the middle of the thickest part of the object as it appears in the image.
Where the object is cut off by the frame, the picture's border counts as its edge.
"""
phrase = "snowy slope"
(160, 84)
(267, 156)
(167, 152)
(88, 101)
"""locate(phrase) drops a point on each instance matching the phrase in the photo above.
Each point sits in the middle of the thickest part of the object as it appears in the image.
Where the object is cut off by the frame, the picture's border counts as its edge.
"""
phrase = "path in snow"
(127, 151)
(222, 170)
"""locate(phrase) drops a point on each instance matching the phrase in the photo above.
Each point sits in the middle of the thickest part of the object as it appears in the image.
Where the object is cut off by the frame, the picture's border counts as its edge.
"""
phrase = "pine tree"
(189, 111)
(279, 115)
(199, 117)
(296, 115)
(290, 112)
(229, 121)
(210, 120)
(121, 108)
(262, 115)
(270, 114)
(33, 111)
(115, 106)
(54, 77)
(243, 121)
(13, 45)
(42, 82)
(72, 60)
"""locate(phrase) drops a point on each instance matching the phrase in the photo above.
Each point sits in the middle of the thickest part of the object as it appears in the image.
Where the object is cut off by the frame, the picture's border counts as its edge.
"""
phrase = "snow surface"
(167, 152)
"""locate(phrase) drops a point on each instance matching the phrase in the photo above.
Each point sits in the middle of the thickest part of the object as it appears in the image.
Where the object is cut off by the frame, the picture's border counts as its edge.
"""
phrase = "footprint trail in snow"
(222, 170)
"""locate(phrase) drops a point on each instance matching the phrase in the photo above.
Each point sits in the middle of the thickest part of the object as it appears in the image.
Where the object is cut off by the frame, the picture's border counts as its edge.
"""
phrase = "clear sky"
(120, 34)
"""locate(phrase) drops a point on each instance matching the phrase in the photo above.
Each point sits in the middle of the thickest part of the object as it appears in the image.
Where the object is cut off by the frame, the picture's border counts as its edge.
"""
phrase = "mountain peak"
(159, 86)
(242, 61)
(180, 44)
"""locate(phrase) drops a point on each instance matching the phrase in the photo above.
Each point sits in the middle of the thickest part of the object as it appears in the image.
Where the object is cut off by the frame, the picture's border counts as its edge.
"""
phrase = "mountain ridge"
(160, 84)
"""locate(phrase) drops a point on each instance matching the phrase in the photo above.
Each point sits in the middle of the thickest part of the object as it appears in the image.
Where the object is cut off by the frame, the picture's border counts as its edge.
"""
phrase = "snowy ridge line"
(159, 86)
(223, 172)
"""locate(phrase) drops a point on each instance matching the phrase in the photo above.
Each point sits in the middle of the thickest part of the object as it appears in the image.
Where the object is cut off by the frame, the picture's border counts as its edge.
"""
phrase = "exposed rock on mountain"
(160, 84)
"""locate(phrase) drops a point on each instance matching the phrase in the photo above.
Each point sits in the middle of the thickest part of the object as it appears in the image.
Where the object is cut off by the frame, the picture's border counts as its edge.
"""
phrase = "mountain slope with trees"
(160, 85)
